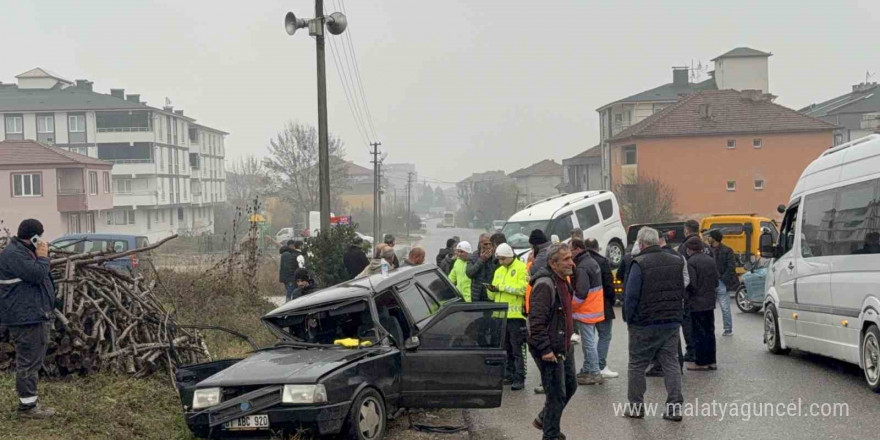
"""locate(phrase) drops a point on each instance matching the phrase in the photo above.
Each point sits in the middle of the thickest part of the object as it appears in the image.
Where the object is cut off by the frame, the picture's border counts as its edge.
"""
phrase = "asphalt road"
(435, 238)
(748, 381)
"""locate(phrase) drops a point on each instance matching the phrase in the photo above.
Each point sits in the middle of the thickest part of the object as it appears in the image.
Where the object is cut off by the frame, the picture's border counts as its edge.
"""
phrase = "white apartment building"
(168, 171)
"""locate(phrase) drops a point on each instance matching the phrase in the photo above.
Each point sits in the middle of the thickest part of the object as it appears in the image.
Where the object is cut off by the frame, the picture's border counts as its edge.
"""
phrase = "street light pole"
(323, 148)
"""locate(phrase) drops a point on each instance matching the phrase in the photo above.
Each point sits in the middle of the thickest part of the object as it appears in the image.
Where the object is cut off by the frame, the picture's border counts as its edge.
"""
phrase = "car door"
(785, 274)
(813, 288)
(458, 358)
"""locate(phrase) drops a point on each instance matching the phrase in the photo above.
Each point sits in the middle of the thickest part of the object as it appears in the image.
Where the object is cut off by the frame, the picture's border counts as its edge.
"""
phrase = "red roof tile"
(731, 112)
(546, 167)
(34, 153)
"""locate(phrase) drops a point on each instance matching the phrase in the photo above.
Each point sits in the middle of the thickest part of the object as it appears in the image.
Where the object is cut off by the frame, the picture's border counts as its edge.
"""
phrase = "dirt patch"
(402, 428)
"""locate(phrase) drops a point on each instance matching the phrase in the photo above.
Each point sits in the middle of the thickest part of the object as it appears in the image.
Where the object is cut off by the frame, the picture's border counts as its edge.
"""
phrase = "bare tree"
(293, 165)
(247, 180)
(646, 200)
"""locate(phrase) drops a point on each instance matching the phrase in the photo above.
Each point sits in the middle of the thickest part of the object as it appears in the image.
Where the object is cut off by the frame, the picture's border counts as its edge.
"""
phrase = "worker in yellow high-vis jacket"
(509, 286)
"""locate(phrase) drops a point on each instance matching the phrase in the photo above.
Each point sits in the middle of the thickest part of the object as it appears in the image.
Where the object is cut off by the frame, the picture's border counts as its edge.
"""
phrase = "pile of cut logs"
(109, 320)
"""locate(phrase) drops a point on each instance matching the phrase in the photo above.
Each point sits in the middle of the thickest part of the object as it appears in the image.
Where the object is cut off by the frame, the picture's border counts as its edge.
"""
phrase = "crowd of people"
(562, 295)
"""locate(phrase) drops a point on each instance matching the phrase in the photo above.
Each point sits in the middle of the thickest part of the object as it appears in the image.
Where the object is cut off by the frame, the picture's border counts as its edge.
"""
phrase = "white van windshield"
(517, 233)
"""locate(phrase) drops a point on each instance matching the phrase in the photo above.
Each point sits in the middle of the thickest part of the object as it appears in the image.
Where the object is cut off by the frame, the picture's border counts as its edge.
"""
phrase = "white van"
(823, 286)
(595, 212)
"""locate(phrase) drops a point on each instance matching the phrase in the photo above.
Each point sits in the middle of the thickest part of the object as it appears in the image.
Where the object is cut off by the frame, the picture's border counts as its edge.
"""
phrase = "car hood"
(285, 365)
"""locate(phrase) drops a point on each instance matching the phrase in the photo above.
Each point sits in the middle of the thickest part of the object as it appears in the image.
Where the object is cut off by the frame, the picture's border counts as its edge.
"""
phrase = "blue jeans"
(289, 288)
(589, 343)
(604, 330)
(724, 299)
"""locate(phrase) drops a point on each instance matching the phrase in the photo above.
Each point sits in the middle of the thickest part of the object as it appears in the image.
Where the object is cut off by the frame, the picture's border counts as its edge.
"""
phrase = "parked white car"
(284, 234)
(595, 212)
(821, 287)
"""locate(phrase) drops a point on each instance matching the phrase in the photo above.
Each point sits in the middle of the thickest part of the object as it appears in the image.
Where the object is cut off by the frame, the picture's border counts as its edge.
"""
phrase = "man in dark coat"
(304, 283)
(604, 328)
(655, 291)
(725, 261)
(448, 250)
(27, 307)
(287, 267)
(550, 329)
(701, 303)
(692, 229)
(481, 268)
(540, 245)
(354, 259)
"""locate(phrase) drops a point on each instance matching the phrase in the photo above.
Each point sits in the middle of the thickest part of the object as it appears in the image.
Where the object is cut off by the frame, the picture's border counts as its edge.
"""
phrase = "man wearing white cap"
(509, 286)
(457, 275)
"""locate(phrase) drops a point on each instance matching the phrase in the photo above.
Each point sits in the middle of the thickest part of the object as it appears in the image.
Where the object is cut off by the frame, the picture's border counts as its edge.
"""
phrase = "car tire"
(615, 252)
(870, 351)
(366, 418)
(771, 331)
(742, 302)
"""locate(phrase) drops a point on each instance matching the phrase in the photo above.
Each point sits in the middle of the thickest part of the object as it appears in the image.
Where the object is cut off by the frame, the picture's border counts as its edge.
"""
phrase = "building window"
(46, 129)
(180, 214)
(93, 183)
(618, 118)
(90, 222)
(629, 155)
(838, 139)
(27, 185)
(759, 184)
(731, 185)
(162, 215)
(757, 143)
(76, 128)
(120, 217)
(731, 144)
(106, 182)
(123, 186)
(14, 128)
(80, 150)
(73, 226)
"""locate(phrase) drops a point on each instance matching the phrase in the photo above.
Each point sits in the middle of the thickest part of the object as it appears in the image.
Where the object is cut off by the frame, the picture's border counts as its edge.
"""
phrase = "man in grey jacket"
(27, 303)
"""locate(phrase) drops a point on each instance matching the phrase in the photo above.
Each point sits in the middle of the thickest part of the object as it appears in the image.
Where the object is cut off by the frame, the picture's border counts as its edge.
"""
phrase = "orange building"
(721, 151)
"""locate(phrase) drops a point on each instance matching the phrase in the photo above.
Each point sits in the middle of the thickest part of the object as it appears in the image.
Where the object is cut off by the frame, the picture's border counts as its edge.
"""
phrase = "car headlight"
(206, 397)
(304, 394)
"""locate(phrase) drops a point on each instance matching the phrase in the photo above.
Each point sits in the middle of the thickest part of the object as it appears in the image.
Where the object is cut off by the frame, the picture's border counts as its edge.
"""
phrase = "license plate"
(247, 423)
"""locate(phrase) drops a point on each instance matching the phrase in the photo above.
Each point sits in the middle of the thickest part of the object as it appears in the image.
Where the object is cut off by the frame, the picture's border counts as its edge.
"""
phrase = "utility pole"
(336, 24)
(323, 148)
(409, 178)
(377, 188)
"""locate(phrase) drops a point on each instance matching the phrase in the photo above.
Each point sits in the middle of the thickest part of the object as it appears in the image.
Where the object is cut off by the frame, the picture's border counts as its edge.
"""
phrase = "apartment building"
(168, 171)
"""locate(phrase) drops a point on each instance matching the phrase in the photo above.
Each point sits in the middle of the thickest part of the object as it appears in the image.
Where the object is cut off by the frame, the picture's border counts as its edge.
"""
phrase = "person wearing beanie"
(540, 245)
(509, 286)
(304, 284)
(27, 302)
(728, 281)
(458, 274)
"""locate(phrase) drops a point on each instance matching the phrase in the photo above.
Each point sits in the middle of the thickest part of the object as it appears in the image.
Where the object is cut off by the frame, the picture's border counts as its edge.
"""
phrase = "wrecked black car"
(350, 356)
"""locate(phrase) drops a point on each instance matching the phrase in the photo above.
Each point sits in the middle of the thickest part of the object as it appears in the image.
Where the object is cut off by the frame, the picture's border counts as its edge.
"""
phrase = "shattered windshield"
(345, 324)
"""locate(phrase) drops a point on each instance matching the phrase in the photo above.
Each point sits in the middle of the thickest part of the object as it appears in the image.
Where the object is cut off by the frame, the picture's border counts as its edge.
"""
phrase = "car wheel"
(771, 331)
(743, 303)
(871, 357)
(615, 253)
(366, 419)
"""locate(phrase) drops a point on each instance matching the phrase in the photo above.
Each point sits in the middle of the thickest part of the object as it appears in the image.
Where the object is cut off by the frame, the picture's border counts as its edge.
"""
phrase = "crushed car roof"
(358, 287)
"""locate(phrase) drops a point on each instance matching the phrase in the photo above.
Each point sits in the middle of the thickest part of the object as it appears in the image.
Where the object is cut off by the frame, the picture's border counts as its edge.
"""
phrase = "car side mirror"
(411, 343)
(767, 248)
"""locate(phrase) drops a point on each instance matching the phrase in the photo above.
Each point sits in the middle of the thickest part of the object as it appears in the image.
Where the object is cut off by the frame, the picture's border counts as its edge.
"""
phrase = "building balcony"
(72, 200)
(115, 137)
(122, 167)
(136, 198)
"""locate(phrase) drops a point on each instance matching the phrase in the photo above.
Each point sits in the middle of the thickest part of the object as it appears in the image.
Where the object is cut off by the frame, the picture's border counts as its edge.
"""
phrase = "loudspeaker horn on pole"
(291, 23)
(336, 23)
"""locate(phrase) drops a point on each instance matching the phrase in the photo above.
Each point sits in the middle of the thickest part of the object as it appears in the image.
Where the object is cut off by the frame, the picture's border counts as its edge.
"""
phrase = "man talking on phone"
(27, 300)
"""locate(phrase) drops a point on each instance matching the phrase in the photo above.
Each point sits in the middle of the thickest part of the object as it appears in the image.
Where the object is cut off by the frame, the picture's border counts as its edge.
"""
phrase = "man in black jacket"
(604, 328)
(354, 259)
(304, 284)
(287, 267)
(655, 291)
(540, 245)
(27, 307)
(448, 250)
(692, 229)
(701, 303)
(481, 268)
(729, 282)
(550, 329)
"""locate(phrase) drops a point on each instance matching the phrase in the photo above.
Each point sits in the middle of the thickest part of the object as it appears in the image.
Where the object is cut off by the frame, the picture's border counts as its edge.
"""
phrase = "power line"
(357, 72)
(357, 94)
(339, 73)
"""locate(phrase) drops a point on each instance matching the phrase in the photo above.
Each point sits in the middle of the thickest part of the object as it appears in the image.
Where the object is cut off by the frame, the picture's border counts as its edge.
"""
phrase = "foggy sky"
(455, 86)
